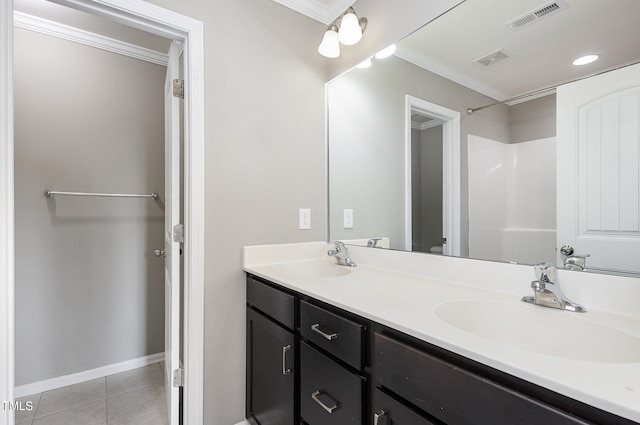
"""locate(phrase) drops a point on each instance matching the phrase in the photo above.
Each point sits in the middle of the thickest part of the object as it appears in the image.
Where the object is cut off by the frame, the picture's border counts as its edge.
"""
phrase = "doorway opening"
(189, 33)
(89, 291)
(432, 148)
(426, 184)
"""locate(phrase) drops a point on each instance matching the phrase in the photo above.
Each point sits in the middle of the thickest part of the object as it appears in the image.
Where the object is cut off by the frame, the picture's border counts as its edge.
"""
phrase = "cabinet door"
(329, 393)
(455, 395)
(387, 411)
(270, 375)
(339, 336)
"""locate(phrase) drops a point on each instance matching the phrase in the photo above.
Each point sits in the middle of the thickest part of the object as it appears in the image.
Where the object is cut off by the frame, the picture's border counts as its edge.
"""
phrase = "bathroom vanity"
(328, 345)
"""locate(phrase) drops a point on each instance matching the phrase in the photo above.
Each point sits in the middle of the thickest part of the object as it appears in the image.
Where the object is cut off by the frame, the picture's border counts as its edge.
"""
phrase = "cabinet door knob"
(285, 369)
(316, 329)
(316, 397)
(377, 416)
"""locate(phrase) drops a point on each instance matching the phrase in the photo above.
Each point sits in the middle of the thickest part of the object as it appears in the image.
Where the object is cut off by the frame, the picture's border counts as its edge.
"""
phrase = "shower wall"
(512, 200)
(89, 292)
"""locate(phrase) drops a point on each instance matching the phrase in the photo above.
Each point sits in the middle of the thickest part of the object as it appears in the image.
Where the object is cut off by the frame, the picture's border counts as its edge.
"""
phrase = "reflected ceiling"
(450, 45)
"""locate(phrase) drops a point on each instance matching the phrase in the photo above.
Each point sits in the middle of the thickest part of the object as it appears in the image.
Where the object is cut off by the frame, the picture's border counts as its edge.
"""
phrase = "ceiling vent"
(536, 14)
(493, 58)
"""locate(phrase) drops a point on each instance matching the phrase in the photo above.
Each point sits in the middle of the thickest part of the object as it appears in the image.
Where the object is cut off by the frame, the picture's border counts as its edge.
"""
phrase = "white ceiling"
(541, 53)
(325, 11)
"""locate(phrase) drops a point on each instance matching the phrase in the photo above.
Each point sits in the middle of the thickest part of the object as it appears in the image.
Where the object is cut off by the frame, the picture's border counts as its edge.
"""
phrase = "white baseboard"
(245, 422)
(87, 375)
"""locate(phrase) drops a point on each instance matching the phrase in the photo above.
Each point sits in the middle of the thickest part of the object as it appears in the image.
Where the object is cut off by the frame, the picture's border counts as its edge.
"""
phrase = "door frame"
(450, 120)
(169, 24)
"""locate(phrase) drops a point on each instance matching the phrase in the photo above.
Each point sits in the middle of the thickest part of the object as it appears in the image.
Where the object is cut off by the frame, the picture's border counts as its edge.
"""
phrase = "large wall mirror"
(552, 174)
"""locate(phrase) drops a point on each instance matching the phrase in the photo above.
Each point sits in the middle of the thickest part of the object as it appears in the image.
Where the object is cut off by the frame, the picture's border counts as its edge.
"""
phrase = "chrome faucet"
(373, 242)
(546, 291)
(340, 252)
(576, 262)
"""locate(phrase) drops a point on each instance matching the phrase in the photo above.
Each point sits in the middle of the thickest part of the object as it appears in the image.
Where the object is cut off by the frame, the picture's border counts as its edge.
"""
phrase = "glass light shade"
(330, 47)
(364, 64)
(386, 52)
(350, 32)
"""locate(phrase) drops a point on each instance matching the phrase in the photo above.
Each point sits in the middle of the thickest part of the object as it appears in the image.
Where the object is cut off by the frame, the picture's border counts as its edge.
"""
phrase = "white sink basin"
(542, 330)
(311, 269)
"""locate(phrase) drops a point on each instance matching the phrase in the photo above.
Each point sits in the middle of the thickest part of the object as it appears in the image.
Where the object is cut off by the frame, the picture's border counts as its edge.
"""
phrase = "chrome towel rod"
(51, 193)
(546, 89)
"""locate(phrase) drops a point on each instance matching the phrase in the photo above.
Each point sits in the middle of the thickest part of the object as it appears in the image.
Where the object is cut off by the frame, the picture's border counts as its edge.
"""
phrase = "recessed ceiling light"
(586, 59)
(386, 52)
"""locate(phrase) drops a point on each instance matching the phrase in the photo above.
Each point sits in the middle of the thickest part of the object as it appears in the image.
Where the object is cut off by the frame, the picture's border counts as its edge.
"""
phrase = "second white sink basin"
(541, 330)
(311, 269)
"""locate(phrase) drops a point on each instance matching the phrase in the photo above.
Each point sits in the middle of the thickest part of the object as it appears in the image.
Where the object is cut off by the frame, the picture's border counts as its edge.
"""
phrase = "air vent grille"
(532, 16)
(493, 58)
(547, 9)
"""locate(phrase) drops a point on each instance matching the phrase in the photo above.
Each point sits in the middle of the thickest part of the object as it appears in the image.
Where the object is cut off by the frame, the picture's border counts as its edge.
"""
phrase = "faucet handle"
(373, 242)
(576, 262)
(339, 245)
(546, 272)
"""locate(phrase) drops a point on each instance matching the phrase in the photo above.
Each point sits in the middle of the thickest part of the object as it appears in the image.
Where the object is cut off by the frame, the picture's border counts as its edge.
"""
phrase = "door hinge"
(178, 377)
(178, 233)
(178, 88)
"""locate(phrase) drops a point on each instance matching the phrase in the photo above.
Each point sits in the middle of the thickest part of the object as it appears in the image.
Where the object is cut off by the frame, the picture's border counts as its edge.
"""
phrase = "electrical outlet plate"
(304, 219)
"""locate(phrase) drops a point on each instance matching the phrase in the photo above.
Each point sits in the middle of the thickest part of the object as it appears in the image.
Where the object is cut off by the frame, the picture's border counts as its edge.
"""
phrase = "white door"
(171, 246)
(598, 184)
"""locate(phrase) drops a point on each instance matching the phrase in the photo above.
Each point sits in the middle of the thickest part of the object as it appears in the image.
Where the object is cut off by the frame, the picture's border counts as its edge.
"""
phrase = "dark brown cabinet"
(271, 357)
(310, 363)
(389, 411)
(337, 335)
(454, 395)
(329, 393)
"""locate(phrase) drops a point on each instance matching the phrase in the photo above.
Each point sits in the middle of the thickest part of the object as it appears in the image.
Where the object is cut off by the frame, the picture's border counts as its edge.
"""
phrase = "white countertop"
(404, 292)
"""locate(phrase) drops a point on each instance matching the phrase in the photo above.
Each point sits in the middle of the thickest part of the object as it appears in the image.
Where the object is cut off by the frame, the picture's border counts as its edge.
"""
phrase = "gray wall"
(533, 120)
(264, 159)
(426, 188)
(366, 139)
(89, 292)
(431, 188)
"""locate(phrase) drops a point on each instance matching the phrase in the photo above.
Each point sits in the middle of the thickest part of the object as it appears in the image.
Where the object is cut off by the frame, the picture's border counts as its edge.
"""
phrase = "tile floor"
(135, 397)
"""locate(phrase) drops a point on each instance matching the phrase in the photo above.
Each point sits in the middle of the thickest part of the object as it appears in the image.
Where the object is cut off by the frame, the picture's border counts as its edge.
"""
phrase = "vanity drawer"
(339, 336)
(329, 393)
(454, 395)
(392, 412)
(277, 304)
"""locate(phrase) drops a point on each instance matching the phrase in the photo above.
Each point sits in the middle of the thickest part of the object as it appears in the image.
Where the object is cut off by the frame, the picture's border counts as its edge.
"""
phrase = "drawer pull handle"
(285, 369)
(316, 397)
(377, 416)
(316, 329)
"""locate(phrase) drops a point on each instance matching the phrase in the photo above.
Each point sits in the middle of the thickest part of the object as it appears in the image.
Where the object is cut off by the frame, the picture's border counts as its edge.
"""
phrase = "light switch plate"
(305, 219)
(348, 219)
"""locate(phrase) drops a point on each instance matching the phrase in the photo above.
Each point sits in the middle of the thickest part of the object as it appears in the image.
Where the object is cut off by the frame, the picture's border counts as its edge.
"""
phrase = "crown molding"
(425, 125)
(437, 68)
(314, 9)
(66, 32)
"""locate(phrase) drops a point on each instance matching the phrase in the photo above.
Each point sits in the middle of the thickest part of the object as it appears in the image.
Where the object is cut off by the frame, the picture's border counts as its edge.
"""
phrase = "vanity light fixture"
(386, 52)
(364, 64)
(330, 46)
(347, 29)
(585, 60)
